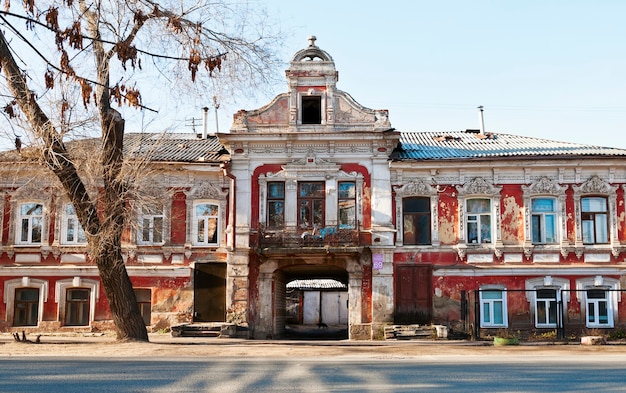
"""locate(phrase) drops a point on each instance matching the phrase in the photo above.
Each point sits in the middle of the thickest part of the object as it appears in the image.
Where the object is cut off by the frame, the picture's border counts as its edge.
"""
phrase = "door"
(413, 294)
(209, 296)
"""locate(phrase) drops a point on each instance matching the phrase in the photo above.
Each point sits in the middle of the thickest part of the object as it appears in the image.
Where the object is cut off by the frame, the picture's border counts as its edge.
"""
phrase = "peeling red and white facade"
(473, 230)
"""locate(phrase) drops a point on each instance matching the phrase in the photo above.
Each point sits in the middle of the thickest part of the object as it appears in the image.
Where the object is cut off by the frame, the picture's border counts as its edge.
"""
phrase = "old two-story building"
(312, 209)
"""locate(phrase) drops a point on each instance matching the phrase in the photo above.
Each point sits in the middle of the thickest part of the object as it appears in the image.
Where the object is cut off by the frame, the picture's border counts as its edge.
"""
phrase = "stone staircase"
(411, 332)
(203, 329)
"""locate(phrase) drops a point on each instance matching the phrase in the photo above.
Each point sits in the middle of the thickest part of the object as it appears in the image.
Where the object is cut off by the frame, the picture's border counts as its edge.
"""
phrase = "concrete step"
(409, 332)
(204, 329)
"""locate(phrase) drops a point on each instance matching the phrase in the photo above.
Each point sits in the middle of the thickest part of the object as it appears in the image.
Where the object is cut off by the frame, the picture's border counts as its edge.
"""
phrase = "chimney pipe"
(205, 120)
(482, 120)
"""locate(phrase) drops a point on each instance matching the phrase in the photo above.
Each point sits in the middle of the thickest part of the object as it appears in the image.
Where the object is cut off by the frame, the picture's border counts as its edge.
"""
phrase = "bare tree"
(98, 46)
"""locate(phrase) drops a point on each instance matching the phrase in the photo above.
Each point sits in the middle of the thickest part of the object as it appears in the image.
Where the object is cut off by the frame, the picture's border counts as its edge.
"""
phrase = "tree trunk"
(119, 291)
(104, 236)
(117, 285)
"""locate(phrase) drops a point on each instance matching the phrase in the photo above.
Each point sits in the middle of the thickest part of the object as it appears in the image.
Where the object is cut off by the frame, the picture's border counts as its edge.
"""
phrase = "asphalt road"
(590, 372)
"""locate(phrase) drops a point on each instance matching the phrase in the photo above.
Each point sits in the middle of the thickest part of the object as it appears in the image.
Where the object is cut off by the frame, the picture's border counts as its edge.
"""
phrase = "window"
(599, 310)
(543, 218)
(144, 301)
(77, 307)
(275, 204)
(151, 225)
(31, 223)
(347, 204)
(595, 225)
(416, 220)
(26, 307)
(311, 110)
(206, 219)
(546, 307)
(479, 220)
(311, 204)
(493, 308)
(71, 230)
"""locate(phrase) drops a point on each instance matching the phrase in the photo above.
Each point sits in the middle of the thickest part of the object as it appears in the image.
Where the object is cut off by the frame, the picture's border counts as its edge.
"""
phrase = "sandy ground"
(164, 345)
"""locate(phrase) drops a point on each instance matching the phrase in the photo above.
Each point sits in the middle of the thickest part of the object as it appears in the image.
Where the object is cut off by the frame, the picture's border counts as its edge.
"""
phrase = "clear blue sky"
(549, 69)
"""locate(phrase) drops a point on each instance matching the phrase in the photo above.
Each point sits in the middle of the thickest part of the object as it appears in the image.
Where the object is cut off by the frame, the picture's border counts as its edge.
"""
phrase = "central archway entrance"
(312, 302)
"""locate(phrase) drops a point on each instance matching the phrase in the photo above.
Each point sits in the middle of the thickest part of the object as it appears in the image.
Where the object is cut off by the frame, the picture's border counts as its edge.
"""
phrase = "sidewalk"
(164, 345)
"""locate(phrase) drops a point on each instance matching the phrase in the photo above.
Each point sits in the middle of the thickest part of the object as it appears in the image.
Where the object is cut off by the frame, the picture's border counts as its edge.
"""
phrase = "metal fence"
(560, 323)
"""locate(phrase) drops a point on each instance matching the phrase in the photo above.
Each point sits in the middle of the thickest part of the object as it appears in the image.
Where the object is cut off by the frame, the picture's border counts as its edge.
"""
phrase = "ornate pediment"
(206, 190)
(543, 186)
(595, 185)
(310, 162)
(34, 191)
(416, 188)
(479, 186)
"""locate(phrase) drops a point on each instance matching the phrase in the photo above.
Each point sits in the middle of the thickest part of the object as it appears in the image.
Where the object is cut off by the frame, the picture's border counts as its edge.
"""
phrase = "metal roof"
(317, 283)
(159, 147)
(473, 144)
(174, 147)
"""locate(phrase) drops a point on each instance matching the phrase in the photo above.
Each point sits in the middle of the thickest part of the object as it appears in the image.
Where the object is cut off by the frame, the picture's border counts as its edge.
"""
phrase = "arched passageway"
(316, 305)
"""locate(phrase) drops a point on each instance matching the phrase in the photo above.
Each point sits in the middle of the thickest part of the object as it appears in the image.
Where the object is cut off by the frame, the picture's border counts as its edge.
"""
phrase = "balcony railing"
(330, 236)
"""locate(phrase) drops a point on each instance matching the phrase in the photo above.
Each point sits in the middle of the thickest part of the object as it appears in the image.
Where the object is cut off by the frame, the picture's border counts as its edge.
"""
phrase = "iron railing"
(329, 236)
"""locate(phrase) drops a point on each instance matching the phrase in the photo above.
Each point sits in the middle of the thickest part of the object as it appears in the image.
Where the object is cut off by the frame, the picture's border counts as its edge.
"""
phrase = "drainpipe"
(231, 201)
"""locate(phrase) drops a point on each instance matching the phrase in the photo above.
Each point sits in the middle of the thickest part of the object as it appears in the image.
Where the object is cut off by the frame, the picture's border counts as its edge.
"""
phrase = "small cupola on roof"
(312, 80)
(312, 103)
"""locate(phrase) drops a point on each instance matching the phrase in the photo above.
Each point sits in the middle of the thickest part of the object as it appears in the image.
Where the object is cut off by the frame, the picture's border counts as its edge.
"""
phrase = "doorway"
(311, 302)
(413, 294)
(209, 296)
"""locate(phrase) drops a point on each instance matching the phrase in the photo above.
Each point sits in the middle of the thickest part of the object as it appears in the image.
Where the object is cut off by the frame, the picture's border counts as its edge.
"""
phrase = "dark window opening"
(144, 301)
(77, 307)
(347, 204)
(275, 204)
(311, 198)
(311, 110)
(26, 309)
(416, 220)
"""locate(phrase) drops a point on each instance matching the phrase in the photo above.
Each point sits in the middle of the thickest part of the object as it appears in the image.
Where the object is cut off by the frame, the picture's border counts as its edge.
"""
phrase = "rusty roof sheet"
(473, 144)
(158, 147)
(174, 147)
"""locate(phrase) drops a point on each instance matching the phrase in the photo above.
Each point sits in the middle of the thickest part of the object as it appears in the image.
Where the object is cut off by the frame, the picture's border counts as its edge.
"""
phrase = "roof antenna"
(482, 120)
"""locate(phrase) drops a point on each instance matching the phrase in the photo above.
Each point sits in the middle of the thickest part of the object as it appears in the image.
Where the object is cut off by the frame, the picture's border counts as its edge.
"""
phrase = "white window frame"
(491, 302)
(30, 217)
(61, 288)
(66, 217)
(478, 221)
(206, 219)
(149, 214)
(596, 303)
(543, 221)
(613, 296)
(605, 227)
(313, 93)
(597, 187)
(24, 282)
(547, 302)
(417, 188)
(561, 285)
